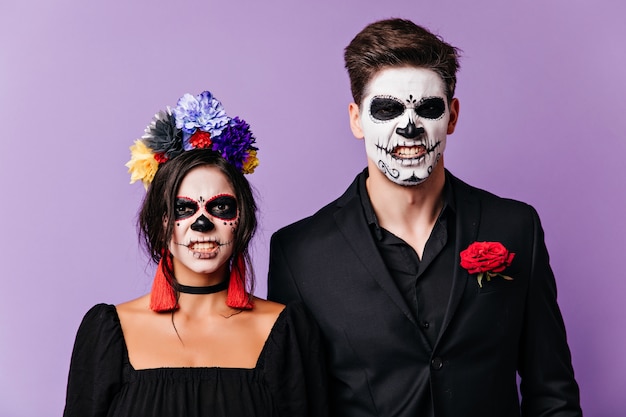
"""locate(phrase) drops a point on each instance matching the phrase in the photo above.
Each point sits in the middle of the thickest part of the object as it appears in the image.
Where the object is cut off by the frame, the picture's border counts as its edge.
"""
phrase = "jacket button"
(436, 363)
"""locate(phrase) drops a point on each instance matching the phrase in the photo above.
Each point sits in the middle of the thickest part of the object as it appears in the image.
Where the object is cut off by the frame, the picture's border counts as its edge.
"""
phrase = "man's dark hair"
(398, 43)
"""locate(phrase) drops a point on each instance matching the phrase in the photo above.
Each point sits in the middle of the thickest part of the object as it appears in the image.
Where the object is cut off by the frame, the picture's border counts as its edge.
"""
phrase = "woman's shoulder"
(105, 321)
(264, 316)
(296, 310)
(292, 321)
(285, 315)
(266, 307)
(139, 305)
(99, 316)
(99, 328)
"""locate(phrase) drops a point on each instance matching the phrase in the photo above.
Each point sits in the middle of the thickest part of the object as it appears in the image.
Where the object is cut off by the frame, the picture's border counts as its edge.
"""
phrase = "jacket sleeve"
(281, 286)
(548, 386)
(95, 375)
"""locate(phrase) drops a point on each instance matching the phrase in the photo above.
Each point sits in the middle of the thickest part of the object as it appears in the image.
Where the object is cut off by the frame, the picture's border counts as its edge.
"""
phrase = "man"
(432, 295)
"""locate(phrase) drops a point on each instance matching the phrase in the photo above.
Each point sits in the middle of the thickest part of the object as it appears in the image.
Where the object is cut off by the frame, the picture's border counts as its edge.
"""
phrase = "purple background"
(541, 88)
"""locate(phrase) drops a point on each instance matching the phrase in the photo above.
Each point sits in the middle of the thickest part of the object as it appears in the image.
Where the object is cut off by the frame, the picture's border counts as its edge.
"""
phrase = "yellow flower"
(250, 163)
(142, 165)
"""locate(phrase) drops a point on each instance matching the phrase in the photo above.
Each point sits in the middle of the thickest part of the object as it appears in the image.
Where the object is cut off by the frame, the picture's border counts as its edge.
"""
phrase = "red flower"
(160, 157)
(200, 139)
(487, 259)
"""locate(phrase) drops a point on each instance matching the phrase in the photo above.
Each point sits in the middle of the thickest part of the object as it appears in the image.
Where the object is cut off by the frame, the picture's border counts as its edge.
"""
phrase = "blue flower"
(202, 117)
(202, 112)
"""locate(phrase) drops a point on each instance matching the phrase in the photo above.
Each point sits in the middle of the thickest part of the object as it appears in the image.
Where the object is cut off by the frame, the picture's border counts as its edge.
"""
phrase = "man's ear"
(454, 115)
(355, 120)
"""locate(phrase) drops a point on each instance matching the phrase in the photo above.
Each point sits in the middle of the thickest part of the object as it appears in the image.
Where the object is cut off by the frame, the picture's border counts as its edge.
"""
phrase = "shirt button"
(425, 325)
(436, 363)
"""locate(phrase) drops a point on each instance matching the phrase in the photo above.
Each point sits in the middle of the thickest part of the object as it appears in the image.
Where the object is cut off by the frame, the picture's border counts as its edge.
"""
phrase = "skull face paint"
(221, 206)
(404, 119)
(205, 216)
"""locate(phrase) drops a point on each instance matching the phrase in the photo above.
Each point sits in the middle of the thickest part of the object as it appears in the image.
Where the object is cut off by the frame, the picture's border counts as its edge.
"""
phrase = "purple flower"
(234, 142)
(202, 112)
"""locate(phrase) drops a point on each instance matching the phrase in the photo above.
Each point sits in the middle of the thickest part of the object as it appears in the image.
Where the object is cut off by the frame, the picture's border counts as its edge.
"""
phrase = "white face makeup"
(205, 218)
(404, 120)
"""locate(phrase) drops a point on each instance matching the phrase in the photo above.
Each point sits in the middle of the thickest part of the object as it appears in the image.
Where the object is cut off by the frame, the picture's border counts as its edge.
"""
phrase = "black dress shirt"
(425, 283)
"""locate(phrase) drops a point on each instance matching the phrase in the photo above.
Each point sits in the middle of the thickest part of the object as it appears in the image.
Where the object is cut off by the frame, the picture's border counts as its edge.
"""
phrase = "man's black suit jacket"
(380, 362)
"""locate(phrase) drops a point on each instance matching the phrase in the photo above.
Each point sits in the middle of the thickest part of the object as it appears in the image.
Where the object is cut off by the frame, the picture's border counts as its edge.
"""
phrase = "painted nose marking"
(410, 131)
(202, 224)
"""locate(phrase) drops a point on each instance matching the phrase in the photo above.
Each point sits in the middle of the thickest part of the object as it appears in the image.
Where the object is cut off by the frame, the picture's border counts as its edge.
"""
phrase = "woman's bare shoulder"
(267, 307)
(264, 314)
(138, 306)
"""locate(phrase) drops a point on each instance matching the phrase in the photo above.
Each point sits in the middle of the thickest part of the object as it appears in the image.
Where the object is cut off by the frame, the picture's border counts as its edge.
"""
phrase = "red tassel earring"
(237, 295)
(162, 296)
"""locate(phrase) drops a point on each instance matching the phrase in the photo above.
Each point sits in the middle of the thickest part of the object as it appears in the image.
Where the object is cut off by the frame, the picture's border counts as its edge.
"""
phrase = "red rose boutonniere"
(487, 259)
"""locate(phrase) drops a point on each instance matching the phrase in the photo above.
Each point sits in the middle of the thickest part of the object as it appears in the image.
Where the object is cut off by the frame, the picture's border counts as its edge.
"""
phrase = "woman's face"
(205, 218)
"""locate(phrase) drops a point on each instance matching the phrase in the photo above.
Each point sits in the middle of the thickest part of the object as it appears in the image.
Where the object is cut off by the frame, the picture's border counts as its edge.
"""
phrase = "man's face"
(205, 217)
(404, 119)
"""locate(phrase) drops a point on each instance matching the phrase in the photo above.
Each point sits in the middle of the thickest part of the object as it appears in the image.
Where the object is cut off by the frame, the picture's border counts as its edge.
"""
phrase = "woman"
(199, 344)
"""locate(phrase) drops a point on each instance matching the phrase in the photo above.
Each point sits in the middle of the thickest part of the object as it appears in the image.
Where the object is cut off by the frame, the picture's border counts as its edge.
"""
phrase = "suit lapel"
(467, 223)
(353, 226)
(351, 223)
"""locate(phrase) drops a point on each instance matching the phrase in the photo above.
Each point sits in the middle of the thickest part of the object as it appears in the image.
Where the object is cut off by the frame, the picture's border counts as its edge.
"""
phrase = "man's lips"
(408, 152)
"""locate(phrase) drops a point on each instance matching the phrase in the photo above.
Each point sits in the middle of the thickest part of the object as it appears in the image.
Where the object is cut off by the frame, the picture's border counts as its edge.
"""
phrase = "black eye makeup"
(386, 108)
(431, 108)
(222, 206)
(184, 207)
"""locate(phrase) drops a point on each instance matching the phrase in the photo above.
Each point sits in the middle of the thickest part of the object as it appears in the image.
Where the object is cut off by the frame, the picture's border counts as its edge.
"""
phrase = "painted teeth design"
(201, 246)
(409, 152)
(208, 246)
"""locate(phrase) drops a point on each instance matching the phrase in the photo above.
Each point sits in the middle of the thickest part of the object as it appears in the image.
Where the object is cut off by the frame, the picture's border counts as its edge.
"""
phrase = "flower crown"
(197, 122)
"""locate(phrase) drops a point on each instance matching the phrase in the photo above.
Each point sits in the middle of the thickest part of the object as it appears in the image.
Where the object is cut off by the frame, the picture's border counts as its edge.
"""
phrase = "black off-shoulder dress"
(289, 378)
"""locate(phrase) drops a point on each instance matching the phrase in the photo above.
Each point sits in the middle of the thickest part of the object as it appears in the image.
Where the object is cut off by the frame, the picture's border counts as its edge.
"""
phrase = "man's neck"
(408, 212)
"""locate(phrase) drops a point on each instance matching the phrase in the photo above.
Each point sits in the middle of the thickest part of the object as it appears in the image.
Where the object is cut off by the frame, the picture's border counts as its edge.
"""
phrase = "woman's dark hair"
(158, 205)
(396, 43)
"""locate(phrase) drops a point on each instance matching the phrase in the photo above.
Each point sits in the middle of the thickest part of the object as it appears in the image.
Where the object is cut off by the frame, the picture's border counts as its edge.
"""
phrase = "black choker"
(209, 289)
